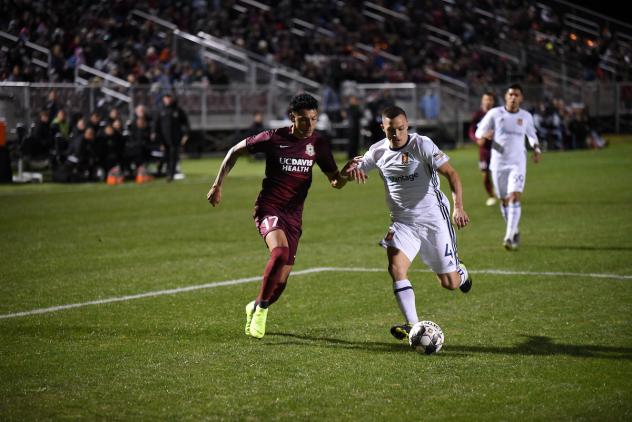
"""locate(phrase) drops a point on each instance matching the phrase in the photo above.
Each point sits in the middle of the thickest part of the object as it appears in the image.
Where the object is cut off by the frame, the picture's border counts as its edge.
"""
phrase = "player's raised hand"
(460, 217)
(214, 195)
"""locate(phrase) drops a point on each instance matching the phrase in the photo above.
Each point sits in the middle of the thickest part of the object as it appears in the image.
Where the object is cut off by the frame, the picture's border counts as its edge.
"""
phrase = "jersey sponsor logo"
(296, 165)
(284, 146)
(405, 158)
(519, 121)
(438, 155)
(309, 150)
(403, 178)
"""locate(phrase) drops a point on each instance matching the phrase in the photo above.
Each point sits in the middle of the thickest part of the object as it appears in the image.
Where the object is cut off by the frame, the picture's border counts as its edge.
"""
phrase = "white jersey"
(410, 178)
(510, 129)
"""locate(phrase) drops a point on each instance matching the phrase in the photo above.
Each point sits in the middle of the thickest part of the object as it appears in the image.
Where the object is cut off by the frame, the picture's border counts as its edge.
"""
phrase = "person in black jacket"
(138, 144)
(171, 129)
(41, 140)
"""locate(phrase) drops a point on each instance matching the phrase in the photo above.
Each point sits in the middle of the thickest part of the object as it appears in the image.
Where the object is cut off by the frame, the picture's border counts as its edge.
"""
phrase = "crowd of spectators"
(564, 126)
(341, 43)
(102, 146)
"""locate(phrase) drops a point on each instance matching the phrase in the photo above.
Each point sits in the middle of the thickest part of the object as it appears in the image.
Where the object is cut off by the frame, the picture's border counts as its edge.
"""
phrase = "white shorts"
(509, 179)
(435, 243)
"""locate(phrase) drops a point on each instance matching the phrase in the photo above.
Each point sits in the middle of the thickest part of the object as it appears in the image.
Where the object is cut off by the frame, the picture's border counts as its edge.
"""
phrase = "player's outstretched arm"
(214, 195)
(459, 216)
(350, 171)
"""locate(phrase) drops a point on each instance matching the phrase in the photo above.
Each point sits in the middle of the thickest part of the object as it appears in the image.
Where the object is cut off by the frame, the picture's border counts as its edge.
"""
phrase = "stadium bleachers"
(228, 60)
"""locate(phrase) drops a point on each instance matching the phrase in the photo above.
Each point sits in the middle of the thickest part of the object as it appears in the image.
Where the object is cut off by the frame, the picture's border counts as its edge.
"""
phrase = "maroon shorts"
(484, 155)
(269, 219)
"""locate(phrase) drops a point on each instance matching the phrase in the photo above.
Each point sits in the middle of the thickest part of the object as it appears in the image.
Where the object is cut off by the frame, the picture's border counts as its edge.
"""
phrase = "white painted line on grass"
(294, 273)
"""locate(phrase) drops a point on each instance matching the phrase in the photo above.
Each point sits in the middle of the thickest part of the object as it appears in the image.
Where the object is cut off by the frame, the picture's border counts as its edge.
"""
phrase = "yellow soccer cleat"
(250, 310)
(258, 322)
(400, 332)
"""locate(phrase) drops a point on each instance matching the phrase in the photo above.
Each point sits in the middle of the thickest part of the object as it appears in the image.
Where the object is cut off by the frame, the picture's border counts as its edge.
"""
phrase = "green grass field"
(549, 340)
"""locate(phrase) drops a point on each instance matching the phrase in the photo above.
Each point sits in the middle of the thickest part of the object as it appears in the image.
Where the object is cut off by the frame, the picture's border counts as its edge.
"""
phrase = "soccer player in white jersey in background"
(420, 212)
(507, 127)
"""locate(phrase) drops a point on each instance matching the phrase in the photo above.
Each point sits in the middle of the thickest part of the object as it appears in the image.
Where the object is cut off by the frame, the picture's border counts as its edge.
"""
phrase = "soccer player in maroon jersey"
(291, 152)
(484, 146)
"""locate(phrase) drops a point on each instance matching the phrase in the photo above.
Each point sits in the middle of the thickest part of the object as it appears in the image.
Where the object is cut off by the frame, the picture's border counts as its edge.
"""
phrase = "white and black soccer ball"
(426, 337)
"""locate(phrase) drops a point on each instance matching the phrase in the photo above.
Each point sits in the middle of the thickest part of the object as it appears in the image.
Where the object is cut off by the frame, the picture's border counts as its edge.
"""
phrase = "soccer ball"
(426, 337)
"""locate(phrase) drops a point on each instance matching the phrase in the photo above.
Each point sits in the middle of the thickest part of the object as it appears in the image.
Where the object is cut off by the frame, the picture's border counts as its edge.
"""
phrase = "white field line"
(295, 273)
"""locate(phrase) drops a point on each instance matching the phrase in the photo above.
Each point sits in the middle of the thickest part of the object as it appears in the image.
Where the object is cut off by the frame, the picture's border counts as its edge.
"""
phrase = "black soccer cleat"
(467, 285)
(516, 240)
(400, 332)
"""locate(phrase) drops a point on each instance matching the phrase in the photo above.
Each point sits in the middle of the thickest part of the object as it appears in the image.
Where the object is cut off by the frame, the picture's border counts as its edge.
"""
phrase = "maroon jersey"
(484, 151)
(289, 162)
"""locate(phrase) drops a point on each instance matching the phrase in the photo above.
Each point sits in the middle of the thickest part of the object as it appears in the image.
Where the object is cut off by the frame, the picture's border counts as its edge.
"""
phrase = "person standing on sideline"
(484, 146)
(506, 126)
(171, 128)
(353, 114)
(290, 152)
(409, 165)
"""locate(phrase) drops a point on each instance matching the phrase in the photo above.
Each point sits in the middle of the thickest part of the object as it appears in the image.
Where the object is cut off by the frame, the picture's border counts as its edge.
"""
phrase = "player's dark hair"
(302, 102)
(391, 112)
(517, 87)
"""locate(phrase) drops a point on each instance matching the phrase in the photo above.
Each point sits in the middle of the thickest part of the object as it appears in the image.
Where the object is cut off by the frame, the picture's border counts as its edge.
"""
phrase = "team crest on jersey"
(519, 122)
(309, 150)
(405, 158)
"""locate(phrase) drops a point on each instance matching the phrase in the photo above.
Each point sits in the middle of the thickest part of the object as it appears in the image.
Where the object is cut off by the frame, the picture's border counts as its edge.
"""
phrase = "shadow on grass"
(533, 346)
(303, 339)
(544, 346)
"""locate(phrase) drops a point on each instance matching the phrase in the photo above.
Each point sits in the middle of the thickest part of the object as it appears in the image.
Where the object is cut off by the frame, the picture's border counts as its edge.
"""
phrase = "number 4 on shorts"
(448, 251)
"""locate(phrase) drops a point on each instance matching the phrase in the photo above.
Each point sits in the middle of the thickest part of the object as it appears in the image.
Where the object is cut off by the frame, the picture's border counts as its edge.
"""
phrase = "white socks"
(513, 218)
(503, 211)
(405, 296)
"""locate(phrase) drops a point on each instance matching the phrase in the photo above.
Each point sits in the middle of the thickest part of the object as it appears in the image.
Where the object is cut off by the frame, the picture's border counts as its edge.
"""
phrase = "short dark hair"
(302, 102)
(517, 87)
(393, 111)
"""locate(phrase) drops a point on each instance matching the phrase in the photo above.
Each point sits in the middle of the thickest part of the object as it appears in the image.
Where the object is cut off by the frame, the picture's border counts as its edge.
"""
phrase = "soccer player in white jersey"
(409, 165)
(507, 127)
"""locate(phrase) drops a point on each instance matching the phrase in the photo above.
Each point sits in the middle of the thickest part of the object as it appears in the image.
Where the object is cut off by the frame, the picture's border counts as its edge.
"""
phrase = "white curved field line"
(294, 274)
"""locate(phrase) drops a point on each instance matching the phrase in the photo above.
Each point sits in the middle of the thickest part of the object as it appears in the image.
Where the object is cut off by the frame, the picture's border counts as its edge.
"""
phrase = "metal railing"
(449, 103)
(6, 37)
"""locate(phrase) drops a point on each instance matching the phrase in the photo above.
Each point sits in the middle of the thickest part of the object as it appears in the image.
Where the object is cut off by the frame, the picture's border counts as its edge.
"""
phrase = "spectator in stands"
(60, 125)
(137, 147)
(256, 126)
(88, 167)
(331, 103)
(76, 137)
(41, 139)
(52, 106)
(110, 149)
(579, 126)
(113, 115)
(95, 122)
(171, 128)
(549, 126)
(429, 104)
